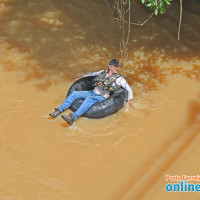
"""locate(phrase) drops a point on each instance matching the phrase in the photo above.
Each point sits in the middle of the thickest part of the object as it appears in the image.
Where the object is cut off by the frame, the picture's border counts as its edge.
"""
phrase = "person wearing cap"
(106, 81)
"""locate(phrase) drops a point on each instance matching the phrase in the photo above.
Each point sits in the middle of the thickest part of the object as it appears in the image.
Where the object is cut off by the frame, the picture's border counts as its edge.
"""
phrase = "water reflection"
(51, 40)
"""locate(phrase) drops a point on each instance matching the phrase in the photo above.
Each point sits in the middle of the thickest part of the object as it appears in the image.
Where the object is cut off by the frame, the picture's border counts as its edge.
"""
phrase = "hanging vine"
(121, 11)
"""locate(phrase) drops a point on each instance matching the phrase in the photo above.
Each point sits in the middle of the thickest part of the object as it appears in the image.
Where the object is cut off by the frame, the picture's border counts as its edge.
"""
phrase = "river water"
(47, 44)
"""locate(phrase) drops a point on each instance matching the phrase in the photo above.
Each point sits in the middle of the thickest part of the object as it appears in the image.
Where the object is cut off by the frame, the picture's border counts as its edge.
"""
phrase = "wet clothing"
(90, 99)
(119, 82)
(106, 82)
(97, 95)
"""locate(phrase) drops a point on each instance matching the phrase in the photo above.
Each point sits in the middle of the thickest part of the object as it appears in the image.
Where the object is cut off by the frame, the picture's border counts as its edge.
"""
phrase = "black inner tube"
(100, 109)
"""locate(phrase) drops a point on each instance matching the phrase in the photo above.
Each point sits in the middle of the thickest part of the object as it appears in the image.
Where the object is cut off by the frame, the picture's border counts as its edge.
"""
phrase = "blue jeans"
(90, 98)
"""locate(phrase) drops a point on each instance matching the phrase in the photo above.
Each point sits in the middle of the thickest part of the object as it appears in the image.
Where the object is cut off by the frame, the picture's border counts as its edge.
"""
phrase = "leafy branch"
(159, 6)
(122, 8)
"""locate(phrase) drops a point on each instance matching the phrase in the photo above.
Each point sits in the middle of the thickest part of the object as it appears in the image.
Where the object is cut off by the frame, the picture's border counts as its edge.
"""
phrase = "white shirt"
(121, 81)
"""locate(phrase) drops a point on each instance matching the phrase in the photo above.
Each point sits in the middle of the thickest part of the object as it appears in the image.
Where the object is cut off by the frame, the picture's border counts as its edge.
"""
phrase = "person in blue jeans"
(106, 81)
(89, 97)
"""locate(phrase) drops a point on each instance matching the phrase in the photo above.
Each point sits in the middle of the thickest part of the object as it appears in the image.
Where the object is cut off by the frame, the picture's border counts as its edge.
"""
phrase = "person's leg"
(87, 103)
(72, 97)
(69, 100)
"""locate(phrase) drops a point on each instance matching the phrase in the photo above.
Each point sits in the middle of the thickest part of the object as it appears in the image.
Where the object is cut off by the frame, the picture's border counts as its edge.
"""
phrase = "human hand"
(127, 106)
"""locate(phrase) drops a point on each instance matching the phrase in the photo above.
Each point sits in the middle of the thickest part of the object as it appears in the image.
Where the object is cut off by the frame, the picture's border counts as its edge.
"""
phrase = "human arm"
(121, 81)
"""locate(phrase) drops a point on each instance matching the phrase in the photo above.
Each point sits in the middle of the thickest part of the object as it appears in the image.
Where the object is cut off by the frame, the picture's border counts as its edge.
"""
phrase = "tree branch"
(180, 19)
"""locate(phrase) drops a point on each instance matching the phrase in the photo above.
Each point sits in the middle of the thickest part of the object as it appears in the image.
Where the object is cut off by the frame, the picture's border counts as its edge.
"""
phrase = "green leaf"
(156, 11)
(150, 5)
(143, 1)
(161, 4)
(162, 11)
(167, 2)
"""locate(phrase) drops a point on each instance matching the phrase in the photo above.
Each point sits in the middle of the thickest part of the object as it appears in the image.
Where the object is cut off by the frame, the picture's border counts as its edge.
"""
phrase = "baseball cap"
(115, 63)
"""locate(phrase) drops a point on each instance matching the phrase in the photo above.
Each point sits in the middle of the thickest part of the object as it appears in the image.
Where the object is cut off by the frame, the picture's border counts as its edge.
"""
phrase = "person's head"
(114, 66)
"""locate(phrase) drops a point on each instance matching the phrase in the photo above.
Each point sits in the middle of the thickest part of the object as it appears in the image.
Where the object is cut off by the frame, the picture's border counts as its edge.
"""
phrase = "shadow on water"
(51, 40)
(161, 32)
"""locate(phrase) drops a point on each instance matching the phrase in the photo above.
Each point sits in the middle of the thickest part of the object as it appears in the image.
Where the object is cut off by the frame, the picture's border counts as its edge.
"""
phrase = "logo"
(182, 183)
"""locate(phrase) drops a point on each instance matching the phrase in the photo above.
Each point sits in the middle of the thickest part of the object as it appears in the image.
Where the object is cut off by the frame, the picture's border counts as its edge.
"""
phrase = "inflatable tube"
(100, 109)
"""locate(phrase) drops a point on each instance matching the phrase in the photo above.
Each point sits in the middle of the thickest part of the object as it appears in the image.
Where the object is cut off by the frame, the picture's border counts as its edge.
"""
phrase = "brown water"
(47, 44)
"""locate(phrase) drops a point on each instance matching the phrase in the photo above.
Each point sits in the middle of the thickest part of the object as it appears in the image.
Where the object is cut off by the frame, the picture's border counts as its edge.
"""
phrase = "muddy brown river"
(44, 46)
